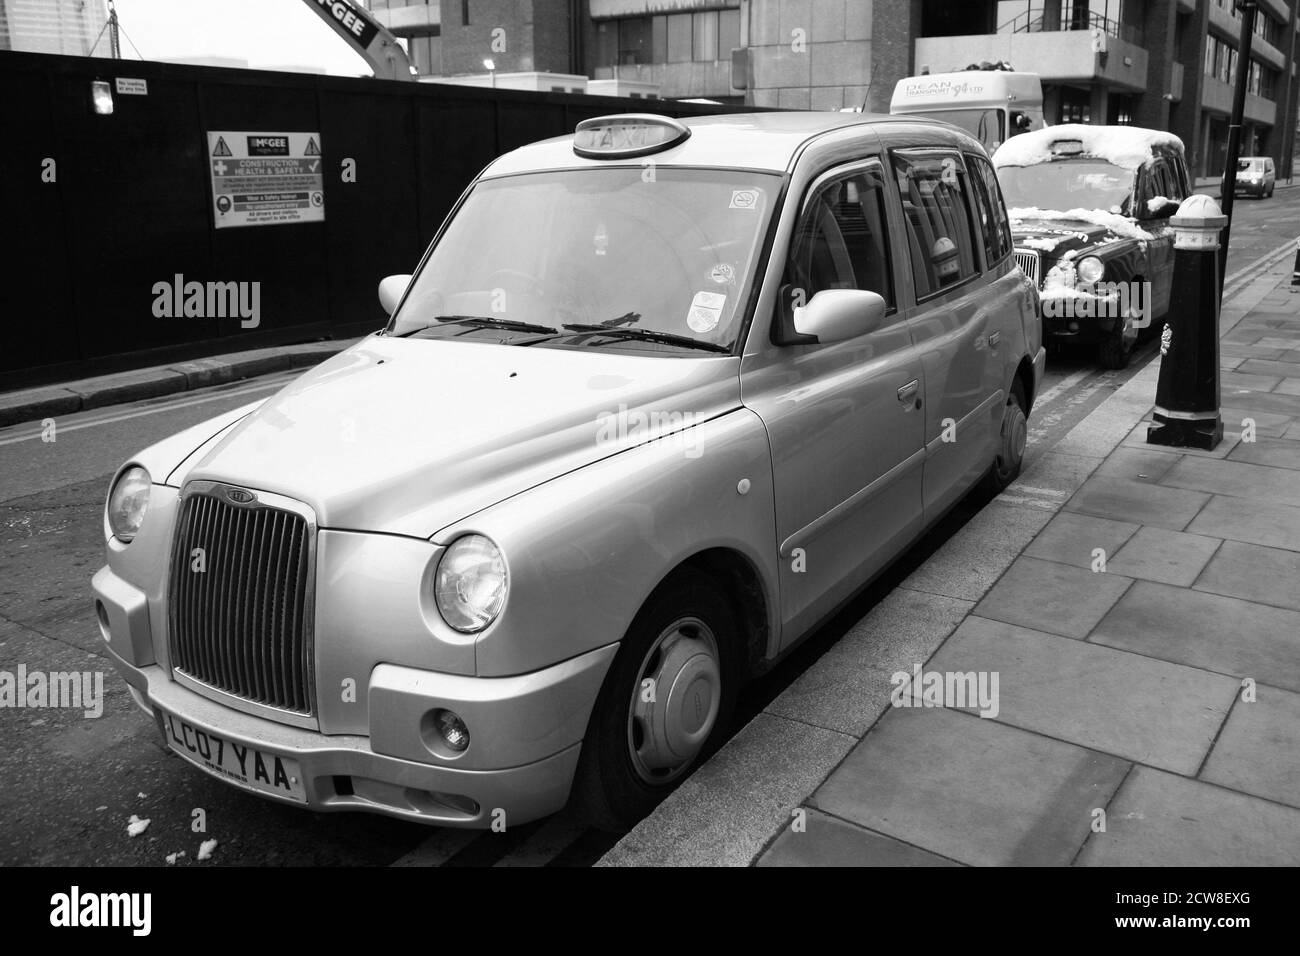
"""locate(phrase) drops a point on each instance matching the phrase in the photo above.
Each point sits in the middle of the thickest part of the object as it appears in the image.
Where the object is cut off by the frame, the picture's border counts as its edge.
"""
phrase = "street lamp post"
(1247, 10)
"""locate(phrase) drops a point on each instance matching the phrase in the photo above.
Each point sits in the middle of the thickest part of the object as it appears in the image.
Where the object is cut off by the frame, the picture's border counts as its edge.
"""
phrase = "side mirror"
(1160, 210)
(836, 315)
(391, 290)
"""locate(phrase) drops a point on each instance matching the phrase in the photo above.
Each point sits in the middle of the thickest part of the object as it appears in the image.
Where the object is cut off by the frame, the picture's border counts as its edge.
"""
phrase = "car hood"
(407, 436)
(1055, 237)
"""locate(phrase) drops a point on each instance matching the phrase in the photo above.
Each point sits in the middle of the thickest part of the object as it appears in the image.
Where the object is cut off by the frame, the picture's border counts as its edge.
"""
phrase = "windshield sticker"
(723, 274)
(706, 311)
(744, 198)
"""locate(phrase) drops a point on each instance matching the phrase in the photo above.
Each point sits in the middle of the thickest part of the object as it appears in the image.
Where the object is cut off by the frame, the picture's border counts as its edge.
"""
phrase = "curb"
(33, 404)
(731, 808)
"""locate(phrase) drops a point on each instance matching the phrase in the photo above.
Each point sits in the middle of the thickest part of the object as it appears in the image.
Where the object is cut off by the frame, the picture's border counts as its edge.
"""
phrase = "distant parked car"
(1090, 208)
(1255, 177)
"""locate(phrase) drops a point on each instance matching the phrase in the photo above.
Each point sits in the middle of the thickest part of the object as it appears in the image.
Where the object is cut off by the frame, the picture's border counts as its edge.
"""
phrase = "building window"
(679, 38)
(728, 33)
(705, 36)
(1075, 105)
(634, 40)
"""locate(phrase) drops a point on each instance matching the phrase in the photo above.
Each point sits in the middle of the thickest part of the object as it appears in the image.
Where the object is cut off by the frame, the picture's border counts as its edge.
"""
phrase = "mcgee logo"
(102, 909)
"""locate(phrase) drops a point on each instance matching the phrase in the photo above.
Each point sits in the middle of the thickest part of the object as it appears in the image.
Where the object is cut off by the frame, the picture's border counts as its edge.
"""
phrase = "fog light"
(452, 729)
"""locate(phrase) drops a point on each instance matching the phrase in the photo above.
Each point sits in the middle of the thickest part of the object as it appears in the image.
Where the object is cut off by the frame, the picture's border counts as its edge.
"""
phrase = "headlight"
(470, 585)
(1091, 269)
(127, 503)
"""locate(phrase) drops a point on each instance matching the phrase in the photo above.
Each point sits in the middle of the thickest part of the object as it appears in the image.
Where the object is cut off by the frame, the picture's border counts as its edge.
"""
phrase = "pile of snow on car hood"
(1119, 225)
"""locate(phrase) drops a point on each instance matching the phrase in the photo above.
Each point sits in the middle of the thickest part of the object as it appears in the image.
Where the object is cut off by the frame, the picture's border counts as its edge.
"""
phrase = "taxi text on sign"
(265, 178)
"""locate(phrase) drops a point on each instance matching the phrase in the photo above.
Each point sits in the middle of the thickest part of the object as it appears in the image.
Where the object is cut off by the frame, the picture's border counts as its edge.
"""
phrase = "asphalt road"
(68, 785)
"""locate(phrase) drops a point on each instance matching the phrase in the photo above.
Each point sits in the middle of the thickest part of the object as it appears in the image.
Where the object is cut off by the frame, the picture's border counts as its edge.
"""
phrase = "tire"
(1112, 353)
(1010, 454)
(1116, 348)
(1270, 190)
(636, 751)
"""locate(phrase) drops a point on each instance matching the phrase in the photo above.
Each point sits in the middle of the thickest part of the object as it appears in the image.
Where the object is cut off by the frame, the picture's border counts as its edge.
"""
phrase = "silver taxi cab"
(660, 398)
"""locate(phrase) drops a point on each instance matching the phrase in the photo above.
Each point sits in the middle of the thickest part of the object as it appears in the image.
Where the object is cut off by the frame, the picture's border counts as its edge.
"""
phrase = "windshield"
(638, 249)
(984, 125)
(1068, 184)
(1245, 165)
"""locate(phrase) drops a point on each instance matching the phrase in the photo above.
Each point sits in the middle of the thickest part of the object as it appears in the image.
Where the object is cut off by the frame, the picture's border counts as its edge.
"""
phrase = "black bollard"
(1295, 269)
(1187, 395)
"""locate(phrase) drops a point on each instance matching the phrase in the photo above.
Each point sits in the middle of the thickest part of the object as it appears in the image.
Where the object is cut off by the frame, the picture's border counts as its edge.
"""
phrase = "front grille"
(1028, 261)
(241, 623)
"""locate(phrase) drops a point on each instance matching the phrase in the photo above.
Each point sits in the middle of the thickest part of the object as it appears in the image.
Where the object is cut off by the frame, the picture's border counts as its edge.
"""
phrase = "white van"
(991, 105)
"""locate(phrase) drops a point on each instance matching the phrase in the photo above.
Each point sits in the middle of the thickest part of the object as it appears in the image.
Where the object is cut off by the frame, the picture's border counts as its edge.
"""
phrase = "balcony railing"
(1034, 21)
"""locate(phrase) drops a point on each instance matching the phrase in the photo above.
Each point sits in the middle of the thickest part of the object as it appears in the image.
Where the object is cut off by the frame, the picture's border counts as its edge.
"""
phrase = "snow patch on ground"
(205, 850)
(135, 826)
(173, 857)
(1119, 225)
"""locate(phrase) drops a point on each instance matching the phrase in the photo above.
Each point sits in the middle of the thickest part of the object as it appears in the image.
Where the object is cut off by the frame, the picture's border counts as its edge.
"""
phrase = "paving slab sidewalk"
(1141, 608)
(34, 404)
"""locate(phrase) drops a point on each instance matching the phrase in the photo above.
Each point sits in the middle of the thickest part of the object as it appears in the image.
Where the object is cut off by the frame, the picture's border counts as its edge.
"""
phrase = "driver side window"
(841, 240)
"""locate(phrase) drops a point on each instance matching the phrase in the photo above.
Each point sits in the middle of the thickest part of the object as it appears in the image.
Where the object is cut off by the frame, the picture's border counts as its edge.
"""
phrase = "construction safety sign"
(265, 179)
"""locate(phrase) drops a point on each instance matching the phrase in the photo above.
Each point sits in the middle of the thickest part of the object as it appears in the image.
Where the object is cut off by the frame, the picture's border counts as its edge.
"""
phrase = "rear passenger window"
(940, 234)
(841, 242)
(988, 199)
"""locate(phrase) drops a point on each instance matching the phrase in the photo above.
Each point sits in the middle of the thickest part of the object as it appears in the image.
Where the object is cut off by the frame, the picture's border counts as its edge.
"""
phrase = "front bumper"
(527, 731)
(1082, 329)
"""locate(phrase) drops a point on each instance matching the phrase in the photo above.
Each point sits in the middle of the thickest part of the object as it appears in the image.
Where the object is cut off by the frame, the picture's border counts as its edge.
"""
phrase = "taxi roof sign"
(626, 135)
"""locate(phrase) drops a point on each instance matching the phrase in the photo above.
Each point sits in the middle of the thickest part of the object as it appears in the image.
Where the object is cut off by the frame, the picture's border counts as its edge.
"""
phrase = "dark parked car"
(1090, 208)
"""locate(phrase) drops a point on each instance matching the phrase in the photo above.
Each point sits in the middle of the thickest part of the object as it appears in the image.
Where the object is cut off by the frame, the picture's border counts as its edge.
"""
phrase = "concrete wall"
(535, 34)
(813, 54)
(1063, 57)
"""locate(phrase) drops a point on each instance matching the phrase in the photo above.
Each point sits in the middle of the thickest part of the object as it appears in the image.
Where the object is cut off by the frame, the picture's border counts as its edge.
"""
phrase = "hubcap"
(675, 701)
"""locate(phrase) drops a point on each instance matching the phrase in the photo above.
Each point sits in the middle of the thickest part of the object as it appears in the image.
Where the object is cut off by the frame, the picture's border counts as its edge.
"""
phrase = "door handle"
(994, 339)
(908, 391)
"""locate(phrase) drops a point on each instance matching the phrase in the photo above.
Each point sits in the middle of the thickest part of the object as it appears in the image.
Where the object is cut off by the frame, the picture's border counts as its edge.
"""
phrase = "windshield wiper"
(482, 321)
(650, 335)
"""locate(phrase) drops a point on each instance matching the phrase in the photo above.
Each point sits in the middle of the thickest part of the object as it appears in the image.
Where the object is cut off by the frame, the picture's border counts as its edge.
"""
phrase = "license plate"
(240, 764)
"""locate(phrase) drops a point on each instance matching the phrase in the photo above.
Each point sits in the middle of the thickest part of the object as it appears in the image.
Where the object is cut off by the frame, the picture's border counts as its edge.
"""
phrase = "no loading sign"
(265, 178)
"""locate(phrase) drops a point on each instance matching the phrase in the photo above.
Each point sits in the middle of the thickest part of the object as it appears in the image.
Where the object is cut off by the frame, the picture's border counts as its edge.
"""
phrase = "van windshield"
(1249, 164)
(640, 249)
(985, 125)
(1063, 185)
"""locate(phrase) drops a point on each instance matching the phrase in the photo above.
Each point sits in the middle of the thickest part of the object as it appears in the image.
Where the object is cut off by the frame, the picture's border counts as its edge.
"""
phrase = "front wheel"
(1116, 348)
(665, 700)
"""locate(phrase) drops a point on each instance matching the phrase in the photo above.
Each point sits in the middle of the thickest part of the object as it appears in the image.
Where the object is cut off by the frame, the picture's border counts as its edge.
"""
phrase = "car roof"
(1126, 146)
(759, 141)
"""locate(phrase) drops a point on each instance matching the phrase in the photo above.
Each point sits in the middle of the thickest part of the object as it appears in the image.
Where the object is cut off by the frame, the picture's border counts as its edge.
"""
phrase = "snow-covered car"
(1090, 208)
(659, 399)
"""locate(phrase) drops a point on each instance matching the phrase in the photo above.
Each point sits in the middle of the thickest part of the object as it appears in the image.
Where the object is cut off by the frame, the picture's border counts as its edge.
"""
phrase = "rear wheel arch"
(1025, 376)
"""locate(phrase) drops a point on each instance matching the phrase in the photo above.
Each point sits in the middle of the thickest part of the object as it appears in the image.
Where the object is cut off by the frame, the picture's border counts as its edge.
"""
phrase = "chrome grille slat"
(243, 626)
(1030, 262)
